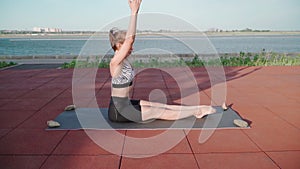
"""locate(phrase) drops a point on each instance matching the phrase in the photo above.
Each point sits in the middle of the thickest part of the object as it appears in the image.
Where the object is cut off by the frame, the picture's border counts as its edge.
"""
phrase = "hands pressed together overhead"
(134, 5)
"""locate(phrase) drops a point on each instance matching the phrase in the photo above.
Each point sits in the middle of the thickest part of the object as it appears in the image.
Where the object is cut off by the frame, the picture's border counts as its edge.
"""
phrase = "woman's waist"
(121, 92)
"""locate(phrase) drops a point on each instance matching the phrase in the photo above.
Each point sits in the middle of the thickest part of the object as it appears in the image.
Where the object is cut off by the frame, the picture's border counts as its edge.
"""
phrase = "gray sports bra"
(125, 77)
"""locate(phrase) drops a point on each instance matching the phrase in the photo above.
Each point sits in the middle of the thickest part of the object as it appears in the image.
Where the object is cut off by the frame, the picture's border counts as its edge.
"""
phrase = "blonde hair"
(116, 36)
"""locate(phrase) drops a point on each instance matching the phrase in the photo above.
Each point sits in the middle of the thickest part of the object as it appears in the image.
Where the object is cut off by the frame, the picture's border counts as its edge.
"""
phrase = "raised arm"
(122, 53)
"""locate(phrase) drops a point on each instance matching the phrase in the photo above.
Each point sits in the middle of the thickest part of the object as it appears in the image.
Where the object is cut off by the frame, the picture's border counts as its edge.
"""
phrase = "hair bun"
(114, 30)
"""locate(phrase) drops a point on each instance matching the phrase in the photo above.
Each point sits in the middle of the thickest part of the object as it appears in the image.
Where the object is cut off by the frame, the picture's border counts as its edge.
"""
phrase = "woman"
(121, 108)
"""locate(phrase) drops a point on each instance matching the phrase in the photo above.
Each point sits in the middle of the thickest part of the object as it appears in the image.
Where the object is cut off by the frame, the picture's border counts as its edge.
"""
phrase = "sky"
(202, 14)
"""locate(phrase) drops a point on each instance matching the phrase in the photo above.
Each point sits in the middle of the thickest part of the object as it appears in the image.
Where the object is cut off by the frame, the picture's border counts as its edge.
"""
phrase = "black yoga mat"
(95, 118)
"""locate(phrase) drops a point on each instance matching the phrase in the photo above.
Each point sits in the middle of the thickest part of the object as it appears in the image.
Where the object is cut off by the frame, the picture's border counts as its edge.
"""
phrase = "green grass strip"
(261, 59)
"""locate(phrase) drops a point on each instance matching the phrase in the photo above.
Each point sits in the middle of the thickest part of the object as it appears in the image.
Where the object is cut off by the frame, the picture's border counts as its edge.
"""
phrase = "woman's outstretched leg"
(150, 112)
(166, 106)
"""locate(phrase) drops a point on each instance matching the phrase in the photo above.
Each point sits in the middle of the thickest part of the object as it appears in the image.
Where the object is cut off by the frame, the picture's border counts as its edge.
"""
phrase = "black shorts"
(124, 110)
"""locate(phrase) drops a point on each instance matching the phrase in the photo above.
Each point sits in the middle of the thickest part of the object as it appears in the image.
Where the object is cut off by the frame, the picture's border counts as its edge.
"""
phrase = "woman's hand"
(134, 5)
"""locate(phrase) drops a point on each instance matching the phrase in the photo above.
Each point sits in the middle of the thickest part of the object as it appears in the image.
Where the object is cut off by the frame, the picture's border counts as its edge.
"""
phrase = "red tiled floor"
(145, 93)
(43, 93)
(39, 119)
(110, 140)
(151, 142)
(271, 99)
(268, 96)
(53, 73)
(233, 140)
(139, 86)
(25, 104)
(185, 96)
(3, 102)
(24, 162)
(100, 103)
(107, 84)
(56, 85)
(270, 132)
(39, 80)
(58, 103)
(174, 161)
(235, 161)
(79, 143)
(61, 80)
(30, 141)
(66, 93)
(80, 162)
(12, 94)
(6, 120)
(3, 132)
(289, 113)
(84, 93)
(15, 84)
(286, 159)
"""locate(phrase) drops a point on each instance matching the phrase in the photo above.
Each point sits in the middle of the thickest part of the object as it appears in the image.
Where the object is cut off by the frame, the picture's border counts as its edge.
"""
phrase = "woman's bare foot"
(224, 106)
(70, 107)
(205, 111)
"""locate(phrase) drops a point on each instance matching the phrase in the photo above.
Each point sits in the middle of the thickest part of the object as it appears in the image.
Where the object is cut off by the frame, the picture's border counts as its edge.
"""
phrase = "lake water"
(72, 46)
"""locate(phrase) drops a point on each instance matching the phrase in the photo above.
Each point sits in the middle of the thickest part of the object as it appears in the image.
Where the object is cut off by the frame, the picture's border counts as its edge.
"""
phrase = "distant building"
(46, 30)
(36, 29)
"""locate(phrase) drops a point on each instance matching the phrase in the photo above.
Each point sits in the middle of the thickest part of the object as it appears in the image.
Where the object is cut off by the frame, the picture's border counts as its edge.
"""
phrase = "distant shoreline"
(53, 35)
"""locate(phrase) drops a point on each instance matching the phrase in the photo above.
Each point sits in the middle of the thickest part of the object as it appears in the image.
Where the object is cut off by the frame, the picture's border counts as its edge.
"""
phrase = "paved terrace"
(267, 96)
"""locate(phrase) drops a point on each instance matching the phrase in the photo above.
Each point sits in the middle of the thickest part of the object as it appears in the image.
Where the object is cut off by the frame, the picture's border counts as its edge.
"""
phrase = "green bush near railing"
(6, 64)
(262, 59)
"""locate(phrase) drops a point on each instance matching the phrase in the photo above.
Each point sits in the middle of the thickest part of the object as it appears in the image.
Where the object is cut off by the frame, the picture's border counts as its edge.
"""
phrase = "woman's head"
(117, 38)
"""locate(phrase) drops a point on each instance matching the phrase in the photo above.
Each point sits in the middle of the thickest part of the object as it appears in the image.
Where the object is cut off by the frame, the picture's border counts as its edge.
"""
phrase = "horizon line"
(164, 30)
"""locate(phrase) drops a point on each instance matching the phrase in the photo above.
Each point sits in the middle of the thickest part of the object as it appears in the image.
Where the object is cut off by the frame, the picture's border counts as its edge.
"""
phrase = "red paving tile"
(149, 83)
(286, 159)
(30, 141)
(153, 142)
(80, 162)
(6, 120)
(60, 80)
(233, 140)
(3, 102)
(12, 94)
(174, 161)
(39, 80)
(43, 93)
(84, 93)
(101, 101)
(270, 132)
(31, 85)
(3, 132)
(79, 143)
(52, 85)
(58, 103)
(150, 93)
(66, 93)
(235, 161)
(291, 114)
(189, 97)
(24, 162)
(25, 104)
(40, 118)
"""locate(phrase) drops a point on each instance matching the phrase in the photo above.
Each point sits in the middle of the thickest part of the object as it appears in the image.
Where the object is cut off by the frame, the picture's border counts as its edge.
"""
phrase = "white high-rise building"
(36, 29)
(51, 30)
